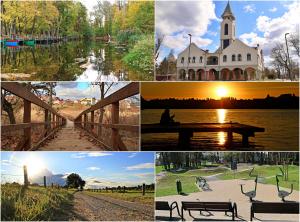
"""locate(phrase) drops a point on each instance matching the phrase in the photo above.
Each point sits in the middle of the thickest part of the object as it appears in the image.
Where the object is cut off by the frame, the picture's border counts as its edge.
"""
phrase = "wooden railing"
(86, 119)
(52, 120)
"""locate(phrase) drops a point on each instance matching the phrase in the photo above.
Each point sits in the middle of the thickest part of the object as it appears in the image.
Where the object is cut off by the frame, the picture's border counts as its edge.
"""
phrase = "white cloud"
(90, 154)
(249, 8)
(5, 162)
(273, 29)
(93, 168)
(141, 166)
(132, 155)
(144, 175)
(274, 9)
(184, 16)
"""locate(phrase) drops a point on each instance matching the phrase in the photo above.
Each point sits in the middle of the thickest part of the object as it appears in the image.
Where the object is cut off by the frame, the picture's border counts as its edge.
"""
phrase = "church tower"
(227, 27)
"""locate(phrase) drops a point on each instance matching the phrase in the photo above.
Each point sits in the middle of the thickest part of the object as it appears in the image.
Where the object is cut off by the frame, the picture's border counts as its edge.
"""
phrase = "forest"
(192, 160)
(128, 24)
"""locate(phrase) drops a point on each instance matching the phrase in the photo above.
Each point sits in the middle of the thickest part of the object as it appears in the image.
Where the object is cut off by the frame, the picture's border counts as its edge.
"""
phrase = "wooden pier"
(186, 130)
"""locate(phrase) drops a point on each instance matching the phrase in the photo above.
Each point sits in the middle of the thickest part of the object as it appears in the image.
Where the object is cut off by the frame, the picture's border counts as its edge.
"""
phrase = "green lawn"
(167, 185)
(158, 169)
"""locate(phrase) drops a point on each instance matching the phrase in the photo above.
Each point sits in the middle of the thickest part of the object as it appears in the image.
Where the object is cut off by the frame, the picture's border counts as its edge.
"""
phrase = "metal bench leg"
(182, 214)
(171, 214)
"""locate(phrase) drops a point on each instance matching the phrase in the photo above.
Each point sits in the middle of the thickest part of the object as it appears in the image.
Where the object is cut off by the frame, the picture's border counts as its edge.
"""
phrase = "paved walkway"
(70, 138)
(229, 190)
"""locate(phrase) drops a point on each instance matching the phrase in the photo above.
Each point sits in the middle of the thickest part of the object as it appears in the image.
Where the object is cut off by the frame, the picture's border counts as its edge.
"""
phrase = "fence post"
(85, 120)
(45, 185)
(46, 113)
(27, 119)
(26, 182)
(53, 120)
(92, 120)
(115, 120)
(144, 189)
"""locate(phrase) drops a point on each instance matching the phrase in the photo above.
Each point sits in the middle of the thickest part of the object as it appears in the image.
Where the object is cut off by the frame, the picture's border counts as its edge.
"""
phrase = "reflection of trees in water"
(62, 61)
(48, 62)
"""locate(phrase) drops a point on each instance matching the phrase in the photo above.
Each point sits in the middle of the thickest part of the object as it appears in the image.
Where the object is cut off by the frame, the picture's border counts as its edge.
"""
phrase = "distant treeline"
(284, 101)
(148, 187)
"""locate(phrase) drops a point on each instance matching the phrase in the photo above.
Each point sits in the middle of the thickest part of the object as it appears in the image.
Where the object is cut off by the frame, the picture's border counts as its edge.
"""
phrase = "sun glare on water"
(34, 165)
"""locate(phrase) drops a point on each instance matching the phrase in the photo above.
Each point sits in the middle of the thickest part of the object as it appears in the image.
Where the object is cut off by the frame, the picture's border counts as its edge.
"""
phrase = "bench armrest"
(175, 205)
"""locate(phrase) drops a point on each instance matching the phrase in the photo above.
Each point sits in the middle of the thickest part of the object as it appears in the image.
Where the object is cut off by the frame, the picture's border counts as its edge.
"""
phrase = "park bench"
(164, 205)
(274, 208)
(209, 206)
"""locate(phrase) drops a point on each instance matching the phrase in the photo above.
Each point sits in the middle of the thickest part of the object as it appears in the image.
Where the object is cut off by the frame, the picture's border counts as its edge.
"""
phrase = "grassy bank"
(128, 196)
(267, 173)
(167, 184)
(34, 203)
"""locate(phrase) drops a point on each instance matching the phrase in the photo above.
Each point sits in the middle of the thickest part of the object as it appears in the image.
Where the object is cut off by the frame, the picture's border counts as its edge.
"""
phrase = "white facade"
(233, 60)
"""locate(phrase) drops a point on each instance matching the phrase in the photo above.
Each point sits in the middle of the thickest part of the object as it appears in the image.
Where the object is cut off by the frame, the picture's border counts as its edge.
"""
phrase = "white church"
(233, 60)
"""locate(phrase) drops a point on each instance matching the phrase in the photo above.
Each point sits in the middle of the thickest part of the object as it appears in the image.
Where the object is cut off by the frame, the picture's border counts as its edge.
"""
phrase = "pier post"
(245, 140)
(184, 139)
(229, 137)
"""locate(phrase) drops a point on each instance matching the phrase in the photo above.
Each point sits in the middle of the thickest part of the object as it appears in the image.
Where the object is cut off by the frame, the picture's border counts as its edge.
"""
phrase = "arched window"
(182, 59)
(201, 59)
(233, 58)
(239, 57)
(189, 59)
(224, 58)
(248, 57)
(194, 59)
(226, 29)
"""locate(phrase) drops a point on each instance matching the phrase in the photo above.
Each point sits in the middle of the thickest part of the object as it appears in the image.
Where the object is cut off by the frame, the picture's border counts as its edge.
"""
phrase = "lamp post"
(288, 56)
(188, 60)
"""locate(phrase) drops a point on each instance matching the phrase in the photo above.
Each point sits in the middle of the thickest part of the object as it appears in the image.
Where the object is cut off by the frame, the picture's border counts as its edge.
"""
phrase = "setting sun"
(221, 91)
(34, 165)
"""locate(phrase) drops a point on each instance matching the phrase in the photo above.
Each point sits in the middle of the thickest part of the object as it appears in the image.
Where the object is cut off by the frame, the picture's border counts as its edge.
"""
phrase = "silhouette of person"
(166, 118)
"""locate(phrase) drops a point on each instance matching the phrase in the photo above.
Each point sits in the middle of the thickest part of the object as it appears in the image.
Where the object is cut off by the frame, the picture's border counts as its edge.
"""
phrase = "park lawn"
(34, 203)
(159, 169)
(268, 173)
(127, 196)
(167, 184)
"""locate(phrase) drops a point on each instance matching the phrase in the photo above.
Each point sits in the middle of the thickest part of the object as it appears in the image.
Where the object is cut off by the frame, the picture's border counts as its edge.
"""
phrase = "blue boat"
(12, 42)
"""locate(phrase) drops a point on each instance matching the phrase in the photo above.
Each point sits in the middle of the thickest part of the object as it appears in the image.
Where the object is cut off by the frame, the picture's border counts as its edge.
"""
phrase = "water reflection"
(221, 115)
(68, 61)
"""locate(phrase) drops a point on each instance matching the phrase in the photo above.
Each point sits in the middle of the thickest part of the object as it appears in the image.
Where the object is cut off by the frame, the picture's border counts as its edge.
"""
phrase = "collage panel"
(77, 40)
(210, 116)
(70, 116)
(88, 186)
(227, 40)
(224, 186)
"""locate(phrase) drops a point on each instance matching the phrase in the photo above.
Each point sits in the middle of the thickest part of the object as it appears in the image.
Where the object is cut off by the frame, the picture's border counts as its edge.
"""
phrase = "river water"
(281, 129)
(68, 61)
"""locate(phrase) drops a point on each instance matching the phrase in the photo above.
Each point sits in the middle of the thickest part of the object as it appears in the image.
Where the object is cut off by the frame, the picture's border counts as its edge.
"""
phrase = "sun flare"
(34, 165)
(221, 91)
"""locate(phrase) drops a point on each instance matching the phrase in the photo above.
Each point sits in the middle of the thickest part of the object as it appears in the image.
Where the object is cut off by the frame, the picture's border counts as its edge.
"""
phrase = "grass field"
(128, 196)
(167, 184)
(34, 203)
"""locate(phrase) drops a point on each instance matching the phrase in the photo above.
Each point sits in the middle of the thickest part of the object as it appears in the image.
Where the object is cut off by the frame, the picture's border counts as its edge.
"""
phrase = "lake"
(281, 129)
(68, 61)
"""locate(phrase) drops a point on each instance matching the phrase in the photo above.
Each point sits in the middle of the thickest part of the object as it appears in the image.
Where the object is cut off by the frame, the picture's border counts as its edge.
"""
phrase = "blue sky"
(110, 168)
(79, 90)
(257, 22)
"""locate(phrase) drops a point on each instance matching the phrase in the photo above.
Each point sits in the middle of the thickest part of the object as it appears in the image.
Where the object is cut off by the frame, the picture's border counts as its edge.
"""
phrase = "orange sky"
(203, 90)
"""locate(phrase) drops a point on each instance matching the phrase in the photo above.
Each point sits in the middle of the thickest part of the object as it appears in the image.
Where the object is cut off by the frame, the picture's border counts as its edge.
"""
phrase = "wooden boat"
(12, 42)
(29, 42)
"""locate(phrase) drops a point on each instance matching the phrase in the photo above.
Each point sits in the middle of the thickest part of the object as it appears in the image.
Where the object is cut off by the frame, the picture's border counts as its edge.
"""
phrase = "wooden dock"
(186, 130)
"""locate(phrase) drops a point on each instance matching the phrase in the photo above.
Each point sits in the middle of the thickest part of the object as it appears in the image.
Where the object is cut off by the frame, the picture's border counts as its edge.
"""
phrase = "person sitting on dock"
(166, 118)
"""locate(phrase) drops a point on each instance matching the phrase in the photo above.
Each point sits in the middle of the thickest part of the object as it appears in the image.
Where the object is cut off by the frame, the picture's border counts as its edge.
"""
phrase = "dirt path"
(70, 138)
(99, 208)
